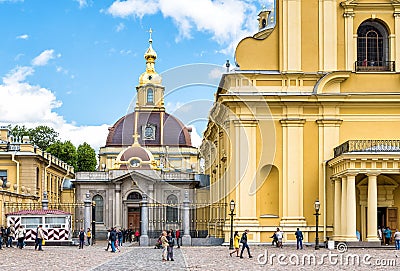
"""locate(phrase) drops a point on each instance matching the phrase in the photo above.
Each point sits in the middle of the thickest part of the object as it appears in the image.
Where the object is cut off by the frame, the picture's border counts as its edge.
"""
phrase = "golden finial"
(150, 32)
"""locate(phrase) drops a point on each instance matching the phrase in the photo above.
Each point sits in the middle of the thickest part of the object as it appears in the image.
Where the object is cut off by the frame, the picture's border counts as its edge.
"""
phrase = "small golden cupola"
(150, 76)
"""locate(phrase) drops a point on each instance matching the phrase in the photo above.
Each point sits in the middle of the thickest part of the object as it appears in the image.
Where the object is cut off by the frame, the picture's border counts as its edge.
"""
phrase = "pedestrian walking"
(81, 236)
(380, 235)
(20, 235)
(171, 243)
(299, 238)
(274, 239)
(2, 232)
(119, 237)
(108, 239)
(388, 235)
(10, 235)
(164, 243)
(4, 236)
(89, 236)
(40, 237)
(113, 238)
(137, 234)
(279, 235)
(178, 236)
(236, 239)
(396, 237)
(243, 240)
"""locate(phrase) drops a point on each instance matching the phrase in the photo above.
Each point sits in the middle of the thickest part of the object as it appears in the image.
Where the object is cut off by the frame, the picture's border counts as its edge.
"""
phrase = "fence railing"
(379, 145)
(374, 66)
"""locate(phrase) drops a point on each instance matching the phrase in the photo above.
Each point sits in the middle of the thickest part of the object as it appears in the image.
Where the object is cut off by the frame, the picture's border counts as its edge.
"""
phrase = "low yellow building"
(311, 112)
(27, 174)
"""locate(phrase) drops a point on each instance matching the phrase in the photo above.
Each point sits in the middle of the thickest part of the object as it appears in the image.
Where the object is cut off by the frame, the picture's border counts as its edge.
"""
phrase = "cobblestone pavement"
(196, 258)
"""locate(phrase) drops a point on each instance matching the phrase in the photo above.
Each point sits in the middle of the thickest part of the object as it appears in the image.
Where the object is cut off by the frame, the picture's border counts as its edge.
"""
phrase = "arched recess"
(172, 209)
(268, 191)
(373, 46)
(99, 208)
(135, 196)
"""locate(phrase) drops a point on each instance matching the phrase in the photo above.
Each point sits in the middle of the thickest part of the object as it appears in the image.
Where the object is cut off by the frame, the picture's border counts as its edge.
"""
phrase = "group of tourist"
(168, 240)
(386, 235)
(9, 234)
(237, 240)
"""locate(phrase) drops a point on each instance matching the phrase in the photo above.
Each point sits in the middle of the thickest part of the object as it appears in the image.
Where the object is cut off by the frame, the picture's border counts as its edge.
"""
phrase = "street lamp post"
(232, 208)
(316, 207)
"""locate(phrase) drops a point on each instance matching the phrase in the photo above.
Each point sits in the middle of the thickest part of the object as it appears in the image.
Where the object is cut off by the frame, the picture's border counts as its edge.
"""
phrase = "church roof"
(174, 132)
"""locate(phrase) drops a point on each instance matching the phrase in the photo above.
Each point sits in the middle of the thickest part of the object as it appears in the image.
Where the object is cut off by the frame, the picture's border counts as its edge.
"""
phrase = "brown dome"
(174, 132)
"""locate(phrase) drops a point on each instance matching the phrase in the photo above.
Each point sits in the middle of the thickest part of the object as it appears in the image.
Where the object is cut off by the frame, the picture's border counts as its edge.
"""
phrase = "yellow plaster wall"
(367, 82)
(310, 177)
(268, 195)
(309, 36)
(341, 61)
(253, 54)
(369, 130)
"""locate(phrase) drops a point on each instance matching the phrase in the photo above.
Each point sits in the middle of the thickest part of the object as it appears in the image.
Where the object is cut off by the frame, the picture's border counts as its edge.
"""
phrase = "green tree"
(86, 158)
(43, 136)
(65, 151)
(19, 131)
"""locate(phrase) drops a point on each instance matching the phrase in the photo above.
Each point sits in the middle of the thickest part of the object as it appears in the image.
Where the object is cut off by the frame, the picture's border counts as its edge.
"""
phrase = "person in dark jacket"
(113, 238)
(243, 240)
(299, 238)
(81, 236)
(171, 243)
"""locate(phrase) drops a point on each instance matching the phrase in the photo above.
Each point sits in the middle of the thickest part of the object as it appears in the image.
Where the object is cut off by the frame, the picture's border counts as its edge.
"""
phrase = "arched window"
(172, 209)
(99, 208)
(373, 47)
(150, 96)
(134, 196)
(263, 23)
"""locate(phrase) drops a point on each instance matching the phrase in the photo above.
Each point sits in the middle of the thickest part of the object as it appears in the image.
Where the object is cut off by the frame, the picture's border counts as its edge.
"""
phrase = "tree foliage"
(41, 136)
(65, 151)
(86, 158)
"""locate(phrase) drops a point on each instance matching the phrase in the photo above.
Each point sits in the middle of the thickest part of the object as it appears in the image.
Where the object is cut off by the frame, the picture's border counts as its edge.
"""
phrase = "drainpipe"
(45, 175)
(15, 161)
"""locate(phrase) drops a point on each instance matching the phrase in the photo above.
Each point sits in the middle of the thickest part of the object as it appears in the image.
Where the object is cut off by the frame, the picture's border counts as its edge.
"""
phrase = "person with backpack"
(299, 238)
(243, 240)
(81, 236)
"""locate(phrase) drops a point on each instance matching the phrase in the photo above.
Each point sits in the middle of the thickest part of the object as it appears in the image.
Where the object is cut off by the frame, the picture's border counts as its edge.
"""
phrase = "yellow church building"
(30, 176)
(312, 111)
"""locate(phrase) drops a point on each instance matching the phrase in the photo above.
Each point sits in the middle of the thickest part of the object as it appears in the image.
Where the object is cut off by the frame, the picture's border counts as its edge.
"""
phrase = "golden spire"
(150, 54)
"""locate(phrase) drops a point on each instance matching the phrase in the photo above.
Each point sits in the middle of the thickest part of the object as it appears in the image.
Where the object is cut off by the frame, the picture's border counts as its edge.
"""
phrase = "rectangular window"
(55, 222)
(3, 178)
(31, 222)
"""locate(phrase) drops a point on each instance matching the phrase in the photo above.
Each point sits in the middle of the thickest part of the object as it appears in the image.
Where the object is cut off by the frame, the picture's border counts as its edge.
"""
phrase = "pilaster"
(291, 35)
(292, 173)
(397, 38)
(349, 39)
(327, 35)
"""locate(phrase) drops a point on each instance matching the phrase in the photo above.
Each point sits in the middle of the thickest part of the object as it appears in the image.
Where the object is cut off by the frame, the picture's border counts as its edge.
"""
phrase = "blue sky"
(74, 64)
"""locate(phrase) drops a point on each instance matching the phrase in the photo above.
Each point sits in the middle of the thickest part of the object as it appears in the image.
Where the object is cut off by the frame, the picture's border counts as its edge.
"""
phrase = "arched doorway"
(133, 206)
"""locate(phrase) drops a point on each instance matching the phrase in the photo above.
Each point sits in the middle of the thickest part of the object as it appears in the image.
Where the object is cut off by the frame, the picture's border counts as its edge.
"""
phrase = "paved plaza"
(196, 258)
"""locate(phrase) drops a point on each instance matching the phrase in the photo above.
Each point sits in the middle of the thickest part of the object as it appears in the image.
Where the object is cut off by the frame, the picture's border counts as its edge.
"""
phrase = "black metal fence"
(205, 219)
(379, 145)
(374, 66)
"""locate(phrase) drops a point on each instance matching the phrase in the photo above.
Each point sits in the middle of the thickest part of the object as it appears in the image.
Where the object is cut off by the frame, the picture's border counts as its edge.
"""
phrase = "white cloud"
(25, 104)
(23, 37)
(228, 21)
(82, 3)
(196, 138)
(44, 58)
(120, 27)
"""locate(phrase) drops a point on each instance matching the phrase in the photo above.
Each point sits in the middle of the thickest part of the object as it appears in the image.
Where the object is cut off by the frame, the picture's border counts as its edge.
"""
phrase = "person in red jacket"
(178, 236)
(137, 234)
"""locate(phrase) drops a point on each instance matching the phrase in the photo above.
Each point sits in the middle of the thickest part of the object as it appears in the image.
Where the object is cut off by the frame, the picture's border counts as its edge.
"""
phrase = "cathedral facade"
(148, 157)
(311, 113)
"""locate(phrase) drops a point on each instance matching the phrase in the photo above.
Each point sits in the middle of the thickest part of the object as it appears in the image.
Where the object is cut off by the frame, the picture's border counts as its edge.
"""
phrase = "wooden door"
(391, 218)
(134, 218)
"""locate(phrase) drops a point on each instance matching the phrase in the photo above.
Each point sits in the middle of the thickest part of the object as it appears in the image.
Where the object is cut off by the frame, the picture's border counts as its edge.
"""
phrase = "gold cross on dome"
(135, 138)
(150, 32)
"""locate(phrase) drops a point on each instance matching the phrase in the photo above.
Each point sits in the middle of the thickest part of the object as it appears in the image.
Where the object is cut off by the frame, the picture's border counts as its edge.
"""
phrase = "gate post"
(86, 214)
(186, 238)
(144, 223)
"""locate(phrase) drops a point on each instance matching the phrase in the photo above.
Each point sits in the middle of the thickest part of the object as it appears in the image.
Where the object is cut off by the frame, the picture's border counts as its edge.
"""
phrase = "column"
(372, 230)
(292, 174)
(186, 239)
(87, 211)
(343, 218)
(118, 205)
(351, 208)
(338, 209)
(144, 225)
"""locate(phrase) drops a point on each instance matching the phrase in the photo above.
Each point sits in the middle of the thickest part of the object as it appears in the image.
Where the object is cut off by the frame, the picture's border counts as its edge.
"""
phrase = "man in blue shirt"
(299, 238)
